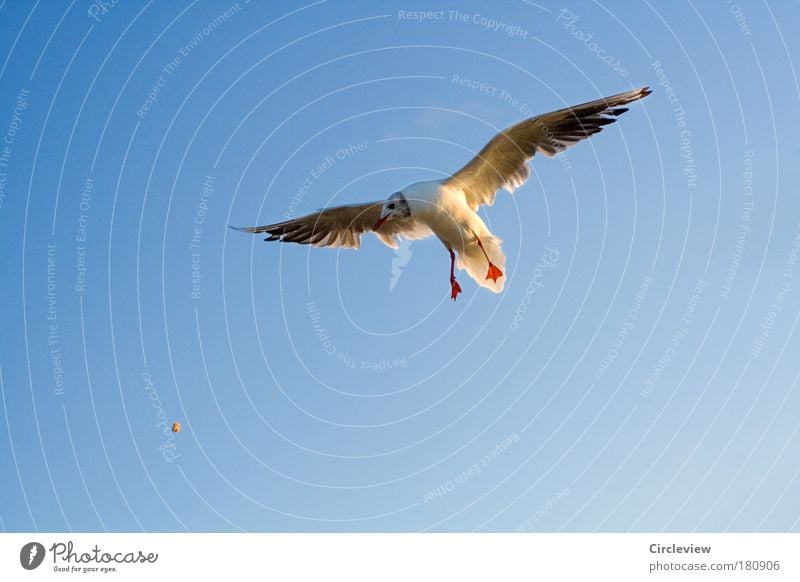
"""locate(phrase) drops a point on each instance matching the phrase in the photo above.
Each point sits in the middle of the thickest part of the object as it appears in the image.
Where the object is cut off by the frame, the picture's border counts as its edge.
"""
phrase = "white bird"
(448, 208)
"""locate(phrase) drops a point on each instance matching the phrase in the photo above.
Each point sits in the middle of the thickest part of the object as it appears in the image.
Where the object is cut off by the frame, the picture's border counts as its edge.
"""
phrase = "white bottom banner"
(356, 557)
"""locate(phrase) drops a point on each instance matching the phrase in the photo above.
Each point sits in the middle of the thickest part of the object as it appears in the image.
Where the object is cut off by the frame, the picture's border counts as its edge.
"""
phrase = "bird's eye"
(391, 206)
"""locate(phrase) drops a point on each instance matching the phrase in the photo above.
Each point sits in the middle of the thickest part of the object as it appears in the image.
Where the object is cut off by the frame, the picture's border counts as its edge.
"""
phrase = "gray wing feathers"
(339, 226)
(503, 162)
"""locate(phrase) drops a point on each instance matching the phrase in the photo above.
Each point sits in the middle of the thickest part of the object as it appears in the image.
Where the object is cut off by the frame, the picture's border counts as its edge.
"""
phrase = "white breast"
(452, 220)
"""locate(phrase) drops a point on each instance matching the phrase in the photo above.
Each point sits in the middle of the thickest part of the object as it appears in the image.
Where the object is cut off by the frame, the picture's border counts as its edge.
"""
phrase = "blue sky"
(637, 373)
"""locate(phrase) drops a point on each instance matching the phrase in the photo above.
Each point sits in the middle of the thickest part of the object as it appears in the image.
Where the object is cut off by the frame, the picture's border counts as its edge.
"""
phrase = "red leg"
(455, 288)
(494, 273)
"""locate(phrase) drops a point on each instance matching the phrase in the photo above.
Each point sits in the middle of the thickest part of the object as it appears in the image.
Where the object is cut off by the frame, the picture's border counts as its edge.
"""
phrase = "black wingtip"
(237, 228)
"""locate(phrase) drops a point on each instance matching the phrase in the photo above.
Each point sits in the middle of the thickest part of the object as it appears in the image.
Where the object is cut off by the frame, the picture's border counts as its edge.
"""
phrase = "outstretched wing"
(503, 162)
(340, 226)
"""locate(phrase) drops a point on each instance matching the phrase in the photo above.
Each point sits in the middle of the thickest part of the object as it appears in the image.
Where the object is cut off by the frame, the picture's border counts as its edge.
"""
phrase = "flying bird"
(448, 208)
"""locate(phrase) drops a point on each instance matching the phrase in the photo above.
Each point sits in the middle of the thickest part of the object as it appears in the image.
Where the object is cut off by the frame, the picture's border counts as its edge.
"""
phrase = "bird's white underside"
(448, 208)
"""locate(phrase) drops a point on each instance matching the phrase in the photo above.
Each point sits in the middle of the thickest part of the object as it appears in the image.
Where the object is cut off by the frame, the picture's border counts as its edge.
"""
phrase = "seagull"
(448, 208)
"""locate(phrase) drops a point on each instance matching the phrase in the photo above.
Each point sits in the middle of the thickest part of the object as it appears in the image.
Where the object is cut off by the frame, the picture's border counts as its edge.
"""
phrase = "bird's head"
(395, 206)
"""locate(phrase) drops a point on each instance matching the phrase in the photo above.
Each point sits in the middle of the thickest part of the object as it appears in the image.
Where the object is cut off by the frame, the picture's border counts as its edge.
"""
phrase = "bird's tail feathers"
(474, 262)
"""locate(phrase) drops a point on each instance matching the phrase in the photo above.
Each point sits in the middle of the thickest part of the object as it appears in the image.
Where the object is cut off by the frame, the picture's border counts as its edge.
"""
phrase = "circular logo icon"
(31, 555)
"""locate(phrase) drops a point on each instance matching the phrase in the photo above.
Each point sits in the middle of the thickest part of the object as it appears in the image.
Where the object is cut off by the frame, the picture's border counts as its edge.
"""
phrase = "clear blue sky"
(639, 372)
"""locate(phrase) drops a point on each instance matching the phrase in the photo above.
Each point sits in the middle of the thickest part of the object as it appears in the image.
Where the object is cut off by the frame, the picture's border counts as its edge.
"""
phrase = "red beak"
(380, 222)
